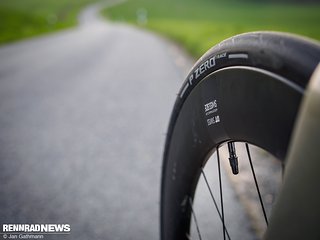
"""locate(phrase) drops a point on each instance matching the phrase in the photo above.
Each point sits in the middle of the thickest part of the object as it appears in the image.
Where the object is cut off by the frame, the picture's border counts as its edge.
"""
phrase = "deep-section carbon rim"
(235, 103)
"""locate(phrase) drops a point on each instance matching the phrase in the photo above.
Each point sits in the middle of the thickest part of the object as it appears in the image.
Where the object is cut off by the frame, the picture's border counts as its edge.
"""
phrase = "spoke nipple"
(233, 159)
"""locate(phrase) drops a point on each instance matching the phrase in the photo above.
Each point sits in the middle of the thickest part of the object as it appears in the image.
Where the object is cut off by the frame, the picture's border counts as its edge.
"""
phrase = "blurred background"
(85, 101)
(196, 24)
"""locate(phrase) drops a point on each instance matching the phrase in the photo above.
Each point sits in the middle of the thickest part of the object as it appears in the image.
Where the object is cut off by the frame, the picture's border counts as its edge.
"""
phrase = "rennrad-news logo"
(36, 228)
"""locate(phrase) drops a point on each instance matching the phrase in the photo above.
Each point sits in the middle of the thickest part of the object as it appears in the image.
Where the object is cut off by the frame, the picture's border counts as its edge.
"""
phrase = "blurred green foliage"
(25, 18)
(199, 24)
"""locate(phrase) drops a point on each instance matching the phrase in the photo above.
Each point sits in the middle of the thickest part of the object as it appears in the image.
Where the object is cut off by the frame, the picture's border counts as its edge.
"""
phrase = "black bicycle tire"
(291, 59)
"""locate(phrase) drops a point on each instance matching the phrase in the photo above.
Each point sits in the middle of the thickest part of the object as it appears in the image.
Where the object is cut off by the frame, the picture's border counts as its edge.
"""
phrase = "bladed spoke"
(256, 183)
(213, 199)
(195, 219)
(221, 197)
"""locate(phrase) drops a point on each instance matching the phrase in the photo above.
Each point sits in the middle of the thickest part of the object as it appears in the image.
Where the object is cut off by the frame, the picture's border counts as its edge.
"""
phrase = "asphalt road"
(83, 120)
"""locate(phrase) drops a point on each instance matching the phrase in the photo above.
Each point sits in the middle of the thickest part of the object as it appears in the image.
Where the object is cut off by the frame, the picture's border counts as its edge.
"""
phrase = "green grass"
(26, 18)
(199, 24)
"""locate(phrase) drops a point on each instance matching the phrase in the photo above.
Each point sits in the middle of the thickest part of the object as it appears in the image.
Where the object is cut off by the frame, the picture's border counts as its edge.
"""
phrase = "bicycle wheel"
(248, 89)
